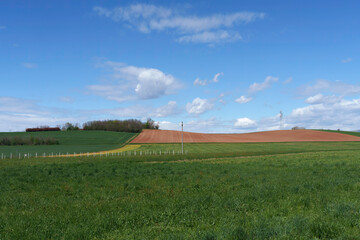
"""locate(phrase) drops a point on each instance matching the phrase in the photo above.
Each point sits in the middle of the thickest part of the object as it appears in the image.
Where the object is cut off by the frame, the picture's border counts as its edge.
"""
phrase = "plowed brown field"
(167, 136)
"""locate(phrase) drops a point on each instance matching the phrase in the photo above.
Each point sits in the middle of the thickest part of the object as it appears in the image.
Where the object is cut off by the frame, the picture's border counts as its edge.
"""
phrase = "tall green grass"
(252, 148)
(305, 195)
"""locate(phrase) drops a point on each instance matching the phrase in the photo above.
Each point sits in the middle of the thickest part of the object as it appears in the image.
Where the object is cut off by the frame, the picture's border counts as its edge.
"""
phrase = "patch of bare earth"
(168, 136)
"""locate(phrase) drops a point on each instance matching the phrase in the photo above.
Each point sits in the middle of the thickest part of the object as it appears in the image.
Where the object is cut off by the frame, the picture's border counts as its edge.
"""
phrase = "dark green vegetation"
(130, 125)
(27, 140)
(301, 195)
(69, 141)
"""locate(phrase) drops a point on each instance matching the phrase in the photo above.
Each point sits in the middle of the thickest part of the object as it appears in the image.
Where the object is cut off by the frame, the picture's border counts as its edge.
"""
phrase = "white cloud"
(166, 125)
(256, 87)
(199, 82)
(199, 106)
(343, 114)
(289, 80)
(215, 79)
(243, 99)
(319, 98)
(141, 111)
(211, 37)
(2, 27)
(130, 82)
(208, 29)
(66, 99)
(245, 123)
(333, 87)
(30, 65)
(170, 109)
(200, 24)
(347, 60)
(18, 114)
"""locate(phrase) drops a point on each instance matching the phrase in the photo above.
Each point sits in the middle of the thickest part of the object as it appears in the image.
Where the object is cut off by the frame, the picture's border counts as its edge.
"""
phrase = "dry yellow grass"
(118, 150)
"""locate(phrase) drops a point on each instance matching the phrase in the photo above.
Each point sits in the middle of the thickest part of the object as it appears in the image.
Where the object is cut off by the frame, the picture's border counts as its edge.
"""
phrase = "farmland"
(217, 191)
(69, 141)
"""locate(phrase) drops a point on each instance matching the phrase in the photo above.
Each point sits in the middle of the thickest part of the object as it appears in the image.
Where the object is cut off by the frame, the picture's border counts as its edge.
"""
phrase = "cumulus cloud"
(208, 29)
(30, 65)
(199, 106)
(245, 123)
(243, 99)
(199, 82)
(130, 82)
(257, 87)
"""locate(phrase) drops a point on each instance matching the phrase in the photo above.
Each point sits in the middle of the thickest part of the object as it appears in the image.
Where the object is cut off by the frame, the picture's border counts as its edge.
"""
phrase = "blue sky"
(219, 66)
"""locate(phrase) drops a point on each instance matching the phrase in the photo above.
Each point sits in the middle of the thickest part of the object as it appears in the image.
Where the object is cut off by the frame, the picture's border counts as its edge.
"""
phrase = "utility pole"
(182, 137)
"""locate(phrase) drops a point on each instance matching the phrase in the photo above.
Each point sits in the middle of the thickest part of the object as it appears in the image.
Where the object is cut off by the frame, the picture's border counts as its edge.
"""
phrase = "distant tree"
(70, 127)
(150, 124)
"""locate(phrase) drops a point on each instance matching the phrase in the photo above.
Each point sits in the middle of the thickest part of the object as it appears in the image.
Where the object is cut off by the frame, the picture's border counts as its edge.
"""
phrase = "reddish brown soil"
(167, 136)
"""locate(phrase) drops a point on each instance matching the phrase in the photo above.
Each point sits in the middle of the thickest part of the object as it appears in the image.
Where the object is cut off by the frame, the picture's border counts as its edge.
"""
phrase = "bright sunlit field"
(297, 194)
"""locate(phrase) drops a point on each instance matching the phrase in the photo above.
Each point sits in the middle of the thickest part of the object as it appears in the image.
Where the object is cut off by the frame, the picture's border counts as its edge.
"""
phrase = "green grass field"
(343, 132)
(251, 148)
(300, 191)
(70, 141)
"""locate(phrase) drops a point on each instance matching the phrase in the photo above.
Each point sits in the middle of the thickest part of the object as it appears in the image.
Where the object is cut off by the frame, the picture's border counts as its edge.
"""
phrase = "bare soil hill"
(168, 136)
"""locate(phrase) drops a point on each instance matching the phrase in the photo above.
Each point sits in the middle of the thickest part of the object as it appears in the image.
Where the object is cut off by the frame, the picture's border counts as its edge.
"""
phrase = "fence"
(91, 154)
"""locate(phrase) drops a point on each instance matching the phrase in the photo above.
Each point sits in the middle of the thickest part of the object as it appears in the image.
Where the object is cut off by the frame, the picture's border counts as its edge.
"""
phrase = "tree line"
(130, 125)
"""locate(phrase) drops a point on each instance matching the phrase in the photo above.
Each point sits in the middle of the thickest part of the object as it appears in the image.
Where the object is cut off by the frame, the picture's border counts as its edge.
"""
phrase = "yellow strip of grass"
(118, 150)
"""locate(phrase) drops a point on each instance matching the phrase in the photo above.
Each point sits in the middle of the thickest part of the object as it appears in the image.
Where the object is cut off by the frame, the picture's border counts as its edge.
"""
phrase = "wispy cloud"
(2, 27)
(207, 29)
(330, 87)
(211, 37)
(141, 111)
(347, 60)
(30, 65)
(18, 114)
(66, 99)
(257, 87)
(199, 82)
(131, 82)
(289, 80)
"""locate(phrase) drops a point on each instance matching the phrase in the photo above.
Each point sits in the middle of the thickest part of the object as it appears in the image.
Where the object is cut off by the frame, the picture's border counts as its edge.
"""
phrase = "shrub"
(297, 128)
(70, 127)
(42, 129)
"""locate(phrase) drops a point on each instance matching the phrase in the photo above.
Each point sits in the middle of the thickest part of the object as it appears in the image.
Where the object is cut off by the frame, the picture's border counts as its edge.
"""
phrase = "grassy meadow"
(272, 191)
(69, 141)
